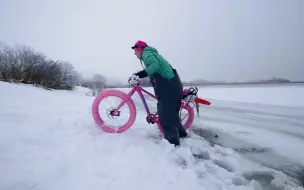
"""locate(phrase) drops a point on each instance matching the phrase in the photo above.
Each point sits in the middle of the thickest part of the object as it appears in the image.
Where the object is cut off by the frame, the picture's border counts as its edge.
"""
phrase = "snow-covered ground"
(266, 116)
(49, 140)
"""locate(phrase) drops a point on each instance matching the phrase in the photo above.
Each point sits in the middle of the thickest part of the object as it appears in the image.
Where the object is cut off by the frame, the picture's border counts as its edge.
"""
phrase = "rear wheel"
(186, 114)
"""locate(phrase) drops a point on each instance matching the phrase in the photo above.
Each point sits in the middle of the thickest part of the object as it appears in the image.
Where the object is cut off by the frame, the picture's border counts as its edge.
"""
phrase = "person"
(168, 89)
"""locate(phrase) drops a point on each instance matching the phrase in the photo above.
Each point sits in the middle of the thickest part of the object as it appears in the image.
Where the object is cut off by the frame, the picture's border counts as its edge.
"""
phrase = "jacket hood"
(150, 49)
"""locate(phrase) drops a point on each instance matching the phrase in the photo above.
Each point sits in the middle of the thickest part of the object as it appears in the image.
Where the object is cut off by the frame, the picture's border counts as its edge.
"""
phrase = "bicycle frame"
(140, 92)
(152, 117)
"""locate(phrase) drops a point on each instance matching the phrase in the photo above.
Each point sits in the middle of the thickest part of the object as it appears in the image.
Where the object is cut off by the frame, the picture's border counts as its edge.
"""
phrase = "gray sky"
(214, 40)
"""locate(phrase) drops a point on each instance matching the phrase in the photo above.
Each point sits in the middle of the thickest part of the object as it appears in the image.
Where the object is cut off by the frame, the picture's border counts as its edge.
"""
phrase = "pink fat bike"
(189, 101)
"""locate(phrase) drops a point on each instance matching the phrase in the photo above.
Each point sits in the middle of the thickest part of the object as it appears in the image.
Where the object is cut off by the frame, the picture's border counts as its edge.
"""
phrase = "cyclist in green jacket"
(168, 89)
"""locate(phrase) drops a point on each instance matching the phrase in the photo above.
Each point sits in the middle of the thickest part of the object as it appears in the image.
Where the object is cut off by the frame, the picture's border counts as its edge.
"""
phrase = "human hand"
(133, 80)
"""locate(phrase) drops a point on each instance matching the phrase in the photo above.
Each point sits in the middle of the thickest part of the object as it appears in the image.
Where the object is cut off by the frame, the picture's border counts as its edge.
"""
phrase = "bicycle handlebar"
(138, 83)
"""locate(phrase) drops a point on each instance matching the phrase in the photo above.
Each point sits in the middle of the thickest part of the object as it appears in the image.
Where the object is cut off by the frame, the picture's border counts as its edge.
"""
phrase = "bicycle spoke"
(108, 107)
(182, 117)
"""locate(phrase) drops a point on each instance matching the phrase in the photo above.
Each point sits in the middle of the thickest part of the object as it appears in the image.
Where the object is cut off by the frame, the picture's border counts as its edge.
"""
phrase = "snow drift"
(49, 140)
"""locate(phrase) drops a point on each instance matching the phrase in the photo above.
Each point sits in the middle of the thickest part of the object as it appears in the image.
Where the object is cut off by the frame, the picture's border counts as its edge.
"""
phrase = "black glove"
(141, 74)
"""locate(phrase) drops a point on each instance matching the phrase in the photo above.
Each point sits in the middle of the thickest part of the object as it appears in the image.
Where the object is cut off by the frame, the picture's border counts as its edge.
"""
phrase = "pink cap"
(140, 45)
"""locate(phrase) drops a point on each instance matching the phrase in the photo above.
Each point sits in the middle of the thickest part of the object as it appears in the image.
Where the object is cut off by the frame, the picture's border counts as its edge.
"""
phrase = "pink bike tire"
(189, 121)
(99, 121)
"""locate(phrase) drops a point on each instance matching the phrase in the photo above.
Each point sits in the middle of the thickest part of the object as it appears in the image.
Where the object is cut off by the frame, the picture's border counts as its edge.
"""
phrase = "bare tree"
(68, 74)
(99, 81)
(24, 64)
(7, 62)
(78, 78)
(29, 59)
(3, 68)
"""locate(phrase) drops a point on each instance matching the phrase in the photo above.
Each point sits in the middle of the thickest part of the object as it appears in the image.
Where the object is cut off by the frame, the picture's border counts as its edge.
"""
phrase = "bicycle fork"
(115, 111)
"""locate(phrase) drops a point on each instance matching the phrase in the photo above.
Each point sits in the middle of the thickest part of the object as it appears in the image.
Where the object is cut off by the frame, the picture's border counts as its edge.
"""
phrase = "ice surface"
(289, 95)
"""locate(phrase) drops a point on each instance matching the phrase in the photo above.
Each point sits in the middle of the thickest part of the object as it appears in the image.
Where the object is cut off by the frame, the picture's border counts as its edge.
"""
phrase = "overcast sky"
(215, 40)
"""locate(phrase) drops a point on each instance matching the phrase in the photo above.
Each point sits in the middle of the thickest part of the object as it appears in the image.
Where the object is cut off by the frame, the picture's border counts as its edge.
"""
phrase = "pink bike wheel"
(101, 123)
(188, 122)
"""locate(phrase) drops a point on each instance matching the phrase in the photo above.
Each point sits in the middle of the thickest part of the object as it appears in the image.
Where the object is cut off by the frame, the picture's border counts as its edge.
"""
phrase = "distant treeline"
(146, 82)
(274, 80)
(22, 64)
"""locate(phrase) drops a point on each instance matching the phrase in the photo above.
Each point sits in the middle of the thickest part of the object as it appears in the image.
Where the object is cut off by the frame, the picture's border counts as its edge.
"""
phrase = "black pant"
(168, 111)
(169, 93)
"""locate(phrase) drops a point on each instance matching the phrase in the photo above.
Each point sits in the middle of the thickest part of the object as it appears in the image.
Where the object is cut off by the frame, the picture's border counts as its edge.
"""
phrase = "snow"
(289, 95)
(264, 116)
(49, 141)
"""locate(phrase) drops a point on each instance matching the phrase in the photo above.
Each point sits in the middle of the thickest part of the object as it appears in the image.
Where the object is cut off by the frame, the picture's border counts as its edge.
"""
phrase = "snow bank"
(49, 141)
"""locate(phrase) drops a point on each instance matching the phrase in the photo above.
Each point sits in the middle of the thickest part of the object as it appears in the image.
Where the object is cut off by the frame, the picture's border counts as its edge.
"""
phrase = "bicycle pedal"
(149, 120)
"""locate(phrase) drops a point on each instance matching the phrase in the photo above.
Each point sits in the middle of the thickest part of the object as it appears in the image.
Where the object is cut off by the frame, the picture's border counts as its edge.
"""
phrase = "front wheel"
(186, 116)
(110, 114)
